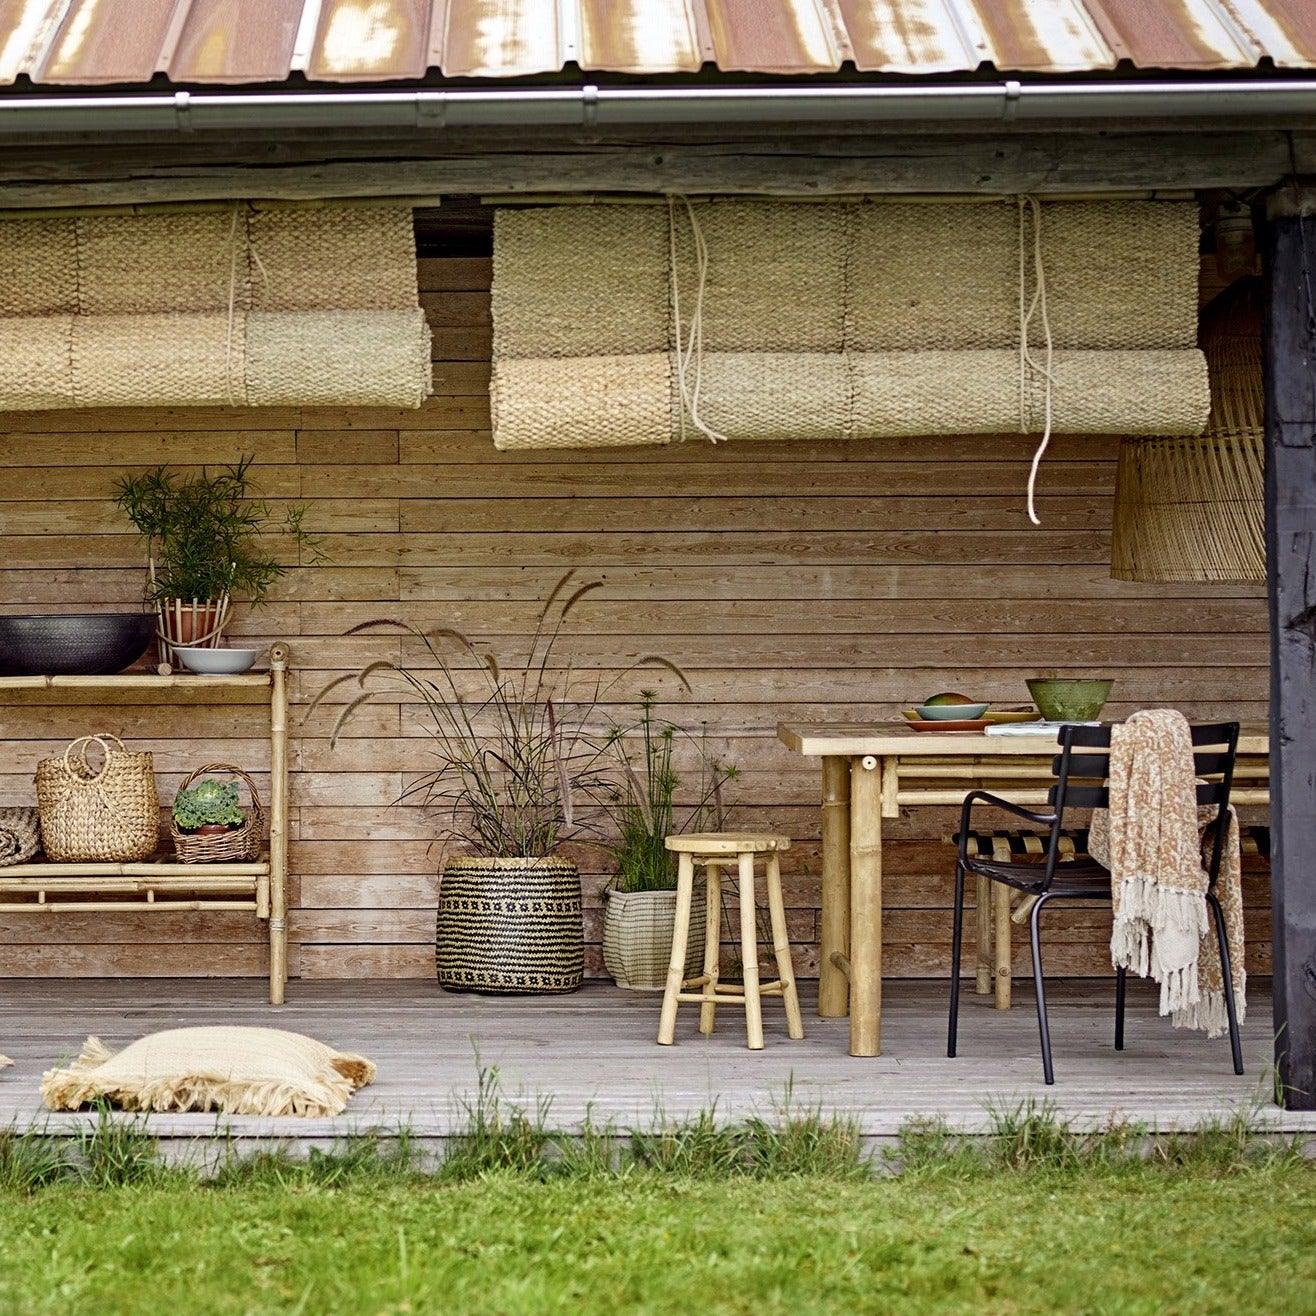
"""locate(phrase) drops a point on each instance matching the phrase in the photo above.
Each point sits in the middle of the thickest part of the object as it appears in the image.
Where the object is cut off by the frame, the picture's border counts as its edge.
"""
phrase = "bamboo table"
(868, 772)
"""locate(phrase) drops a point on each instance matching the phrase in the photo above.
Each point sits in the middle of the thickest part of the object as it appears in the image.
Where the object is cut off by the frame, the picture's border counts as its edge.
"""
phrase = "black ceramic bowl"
(73, 644)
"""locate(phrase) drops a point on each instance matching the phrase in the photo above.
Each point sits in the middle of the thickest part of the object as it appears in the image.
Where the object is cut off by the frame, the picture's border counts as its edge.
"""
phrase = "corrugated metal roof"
(101, 42)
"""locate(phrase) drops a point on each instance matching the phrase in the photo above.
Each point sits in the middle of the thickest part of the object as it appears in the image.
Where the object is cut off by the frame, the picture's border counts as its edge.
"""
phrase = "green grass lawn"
(1124, 1238)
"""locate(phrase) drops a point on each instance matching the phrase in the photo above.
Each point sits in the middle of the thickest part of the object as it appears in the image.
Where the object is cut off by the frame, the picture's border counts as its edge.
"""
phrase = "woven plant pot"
(89, 814)
(240, 845)
(637, 937)
(509, 926)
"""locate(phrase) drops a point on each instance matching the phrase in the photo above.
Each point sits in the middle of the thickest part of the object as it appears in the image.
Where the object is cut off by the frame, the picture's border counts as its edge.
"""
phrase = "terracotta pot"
(186, 624)
(215, 829)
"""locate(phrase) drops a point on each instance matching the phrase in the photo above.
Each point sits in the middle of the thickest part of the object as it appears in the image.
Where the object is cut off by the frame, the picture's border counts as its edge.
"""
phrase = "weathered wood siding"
(827, 580)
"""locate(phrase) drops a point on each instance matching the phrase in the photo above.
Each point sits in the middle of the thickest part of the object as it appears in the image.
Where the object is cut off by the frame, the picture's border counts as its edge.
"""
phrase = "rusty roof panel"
(786, 36)
(373, 40)
(914, 36)
(1055, 36)
(99, 42)
(501, 39)
(236, 41)
(1181, 34)
(639, 36)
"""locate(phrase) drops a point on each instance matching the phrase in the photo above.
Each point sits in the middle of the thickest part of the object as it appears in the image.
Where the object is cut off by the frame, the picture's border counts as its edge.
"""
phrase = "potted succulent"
(517, 772)
(640, 901)
(203, 534)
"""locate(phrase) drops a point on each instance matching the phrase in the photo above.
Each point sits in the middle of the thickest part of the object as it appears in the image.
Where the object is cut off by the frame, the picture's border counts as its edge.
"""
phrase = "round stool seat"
(728, 843)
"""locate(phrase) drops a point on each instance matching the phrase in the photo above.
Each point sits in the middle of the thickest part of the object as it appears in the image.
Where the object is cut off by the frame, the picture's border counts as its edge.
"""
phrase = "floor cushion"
(239, 1071)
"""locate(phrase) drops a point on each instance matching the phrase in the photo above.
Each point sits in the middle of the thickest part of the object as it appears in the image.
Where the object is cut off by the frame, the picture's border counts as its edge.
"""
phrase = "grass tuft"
(116, 1152)
(500, 1135)
(31, 1159)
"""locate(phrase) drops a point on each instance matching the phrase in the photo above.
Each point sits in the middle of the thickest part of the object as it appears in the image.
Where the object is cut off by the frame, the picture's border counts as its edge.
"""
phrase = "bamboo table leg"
(278, 822)
(1001, 895)
(983, 982)
(866, 906)
(834, 934)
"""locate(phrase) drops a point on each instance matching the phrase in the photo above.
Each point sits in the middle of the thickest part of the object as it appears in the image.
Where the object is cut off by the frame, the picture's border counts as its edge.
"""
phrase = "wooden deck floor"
(594, 1052)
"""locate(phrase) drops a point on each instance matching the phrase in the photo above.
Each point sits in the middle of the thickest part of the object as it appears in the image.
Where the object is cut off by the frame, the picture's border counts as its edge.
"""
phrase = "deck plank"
(593, 1054)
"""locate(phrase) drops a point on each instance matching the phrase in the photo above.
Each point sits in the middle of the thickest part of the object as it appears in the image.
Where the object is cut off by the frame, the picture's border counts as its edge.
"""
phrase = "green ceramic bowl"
(1069, 701)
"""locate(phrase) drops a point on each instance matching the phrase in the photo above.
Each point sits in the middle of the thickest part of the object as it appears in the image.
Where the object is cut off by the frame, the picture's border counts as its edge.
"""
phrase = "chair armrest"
(995, 802)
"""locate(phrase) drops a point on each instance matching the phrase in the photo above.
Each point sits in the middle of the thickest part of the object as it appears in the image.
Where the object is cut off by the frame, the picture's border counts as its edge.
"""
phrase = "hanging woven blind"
(245, 305)
(855, 320)
(1192, 508)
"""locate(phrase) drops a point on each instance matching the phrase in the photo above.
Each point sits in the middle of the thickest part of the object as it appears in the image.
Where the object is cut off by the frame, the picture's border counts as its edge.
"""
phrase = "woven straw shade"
(779, 320)
(1191, 509)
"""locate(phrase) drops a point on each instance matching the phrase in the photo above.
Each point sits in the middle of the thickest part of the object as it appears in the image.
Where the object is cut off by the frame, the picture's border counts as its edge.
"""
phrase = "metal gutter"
(590, 106)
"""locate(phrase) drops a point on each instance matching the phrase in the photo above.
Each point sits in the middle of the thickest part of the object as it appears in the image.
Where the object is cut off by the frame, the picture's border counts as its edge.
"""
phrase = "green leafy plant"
(518, 761)
(642, 807)
(204, 532)
(208, 802)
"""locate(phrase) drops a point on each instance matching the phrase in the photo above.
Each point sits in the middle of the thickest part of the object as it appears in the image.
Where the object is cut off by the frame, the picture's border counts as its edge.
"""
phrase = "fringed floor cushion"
(237, 1071)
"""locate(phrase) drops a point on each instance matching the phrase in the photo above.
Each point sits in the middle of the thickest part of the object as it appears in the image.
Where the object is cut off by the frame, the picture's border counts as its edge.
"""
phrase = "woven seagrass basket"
(637, 936)
(509, 926)
(110, 813)
(238, 846)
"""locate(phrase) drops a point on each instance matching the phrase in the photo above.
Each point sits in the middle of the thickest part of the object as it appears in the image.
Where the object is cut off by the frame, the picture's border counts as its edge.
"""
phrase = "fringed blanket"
(1153, 843)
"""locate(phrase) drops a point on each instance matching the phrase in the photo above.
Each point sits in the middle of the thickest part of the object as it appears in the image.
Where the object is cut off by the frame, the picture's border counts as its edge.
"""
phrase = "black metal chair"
(1082, 782)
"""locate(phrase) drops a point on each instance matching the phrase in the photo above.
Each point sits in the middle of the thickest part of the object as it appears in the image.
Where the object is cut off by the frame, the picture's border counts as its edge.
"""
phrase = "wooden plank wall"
(809, 581)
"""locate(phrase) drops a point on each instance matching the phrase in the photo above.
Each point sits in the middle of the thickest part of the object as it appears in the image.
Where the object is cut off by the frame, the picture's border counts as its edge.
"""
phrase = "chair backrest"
(1082, 773)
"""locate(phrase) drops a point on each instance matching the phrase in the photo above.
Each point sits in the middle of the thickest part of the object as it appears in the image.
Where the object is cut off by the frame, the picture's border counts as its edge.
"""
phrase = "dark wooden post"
(1290, 367)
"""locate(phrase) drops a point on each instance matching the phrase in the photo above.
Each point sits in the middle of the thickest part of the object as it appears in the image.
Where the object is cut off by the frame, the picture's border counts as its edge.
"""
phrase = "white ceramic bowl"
(951, 712)
(216, 662)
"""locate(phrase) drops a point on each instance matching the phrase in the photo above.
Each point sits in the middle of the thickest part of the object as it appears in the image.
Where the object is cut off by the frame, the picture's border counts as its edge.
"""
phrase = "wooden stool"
(715, 850)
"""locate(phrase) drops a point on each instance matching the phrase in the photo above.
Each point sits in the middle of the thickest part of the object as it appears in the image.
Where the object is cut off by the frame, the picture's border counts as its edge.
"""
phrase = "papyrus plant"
(520, 758)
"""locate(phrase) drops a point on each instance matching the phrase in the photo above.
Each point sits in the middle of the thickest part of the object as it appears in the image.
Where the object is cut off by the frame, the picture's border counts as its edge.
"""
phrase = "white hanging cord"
(693, 348)
(1029, 206)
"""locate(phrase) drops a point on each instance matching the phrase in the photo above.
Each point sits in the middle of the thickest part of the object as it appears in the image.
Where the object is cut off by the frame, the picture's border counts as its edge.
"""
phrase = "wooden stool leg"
(712, 946)
(685, 884)
(983, 982)
(781, 948)
(749, 953)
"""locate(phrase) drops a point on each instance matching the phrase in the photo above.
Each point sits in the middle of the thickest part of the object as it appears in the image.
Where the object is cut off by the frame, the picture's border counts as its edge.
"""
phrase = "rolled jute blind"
(1192, 508)
(633, 324)
(246, 305)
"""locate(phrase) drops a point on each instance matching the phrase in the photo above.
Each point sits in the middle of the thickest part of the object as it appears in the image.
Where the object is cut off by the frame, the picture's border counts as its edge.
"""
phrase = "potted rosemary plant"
(516, 773)
(204, 536)
(640, 901)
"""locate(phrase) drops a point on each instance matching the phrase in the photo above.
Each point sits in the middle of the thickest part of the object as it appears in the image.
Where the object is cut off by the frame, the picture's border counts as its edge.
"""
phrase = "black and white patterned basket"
(509, 926)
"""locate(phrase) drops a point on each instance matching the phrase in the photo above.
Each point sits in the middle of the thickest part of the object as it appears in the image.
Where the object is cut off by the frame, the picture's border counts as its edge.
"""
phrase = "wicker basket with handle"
(240, 845)
(88, 814)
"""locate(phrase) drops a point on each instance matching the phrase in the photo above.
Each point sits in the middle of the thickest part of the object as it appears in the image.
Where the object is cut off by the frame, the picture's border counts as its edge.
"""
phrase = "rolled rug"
(20, 835)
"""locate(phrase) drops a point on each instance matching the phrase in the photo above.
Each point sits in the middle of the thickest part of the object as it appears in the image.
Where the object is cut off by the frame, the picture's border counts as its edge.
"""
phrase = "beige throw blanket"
(1152, 841)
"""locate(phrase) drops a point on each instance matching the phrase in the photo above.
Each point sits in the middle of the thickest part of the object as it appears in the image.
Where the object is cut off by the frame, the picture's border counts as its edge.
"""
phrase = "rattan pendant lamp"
(1191, 509)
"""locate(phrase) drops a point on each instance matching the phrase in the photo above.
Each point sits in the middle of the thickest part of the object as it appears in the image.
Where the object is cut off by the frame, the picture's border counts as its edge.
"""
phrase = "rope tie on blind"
(692, 350)
(234, 244)
(1030, 207)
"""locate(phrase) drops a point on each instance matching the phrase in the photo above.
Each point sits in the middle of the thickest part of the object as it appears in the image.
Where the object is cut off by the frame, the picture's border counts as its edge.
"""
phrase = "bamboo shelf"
(257, 886)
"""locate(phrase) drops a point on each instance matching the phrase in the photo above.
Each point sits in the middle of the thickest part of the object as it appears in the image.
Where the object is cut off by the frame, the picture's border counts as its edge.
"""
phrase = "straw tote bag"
(108, 813)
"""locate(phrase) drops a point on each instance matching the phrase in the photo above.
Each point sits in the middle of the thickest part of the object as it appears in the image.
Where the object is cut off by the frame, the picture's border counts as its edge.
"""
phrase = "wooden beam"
(1290, 377)
(786, 164)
